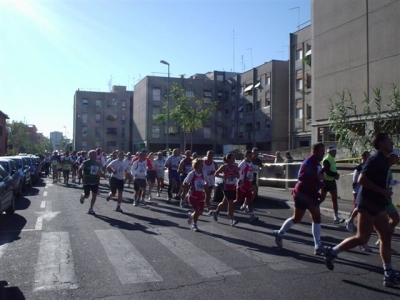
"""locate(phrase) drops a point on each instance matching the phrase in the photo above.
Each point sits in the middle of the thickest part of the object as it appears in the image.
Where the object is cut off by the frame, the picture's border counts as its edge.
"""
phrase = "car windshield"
(4, 164)
(27, 160)
(3, 174)
(18, 162)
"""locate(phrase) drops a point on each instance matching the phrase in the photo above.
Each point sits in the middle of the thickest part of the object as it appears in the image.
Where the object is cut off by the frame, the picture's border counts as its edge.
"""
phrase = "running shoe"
(168, 200)
(215, 216)
(365, 248)
(190, 218)
(243, 207)
(393, 279)
(320, 250)
(91, 211)
(135, 202)
(234, 222)
(278, 239)
(350, 226)
(329, 258)
(143, 201)
(182, 204)
(338, 221)
(252, 219)
(158, 194)
(119, 209)
(246, 209)
(82, 199)
(378, 242)
(194, 228)
(108, 198)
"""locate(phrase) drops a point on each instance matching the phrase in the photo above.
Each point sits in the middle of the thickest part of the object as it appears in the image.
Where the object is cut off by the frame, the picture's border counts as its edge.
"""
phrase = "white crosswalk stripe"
(129, 264)
(202, 262)
(55, 265)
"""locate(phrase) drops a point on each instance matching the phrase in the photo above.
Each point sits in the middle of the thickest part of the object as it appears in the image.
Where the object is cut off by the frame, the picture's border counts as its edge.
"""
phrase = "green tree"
(187, 113)
(354, 130)
(20, 141)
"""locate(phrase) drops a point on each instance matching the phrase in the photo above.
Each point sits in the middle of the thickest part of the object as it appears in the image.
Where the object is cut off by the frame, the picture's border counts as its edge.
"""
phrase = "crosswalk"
(55, 267)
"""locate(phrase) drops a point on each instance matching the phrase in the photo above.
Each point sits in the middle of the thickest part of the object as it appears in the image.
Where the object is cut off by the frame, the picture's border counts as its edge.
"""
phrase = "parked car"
(9, 165)
(23, 169)
(7, 197)
(31, 163)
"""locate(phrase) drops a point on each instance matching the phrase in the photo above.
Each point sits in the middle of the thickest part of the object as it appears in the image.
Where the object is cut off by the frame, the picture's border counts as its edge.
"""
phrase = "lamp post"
(166, 138)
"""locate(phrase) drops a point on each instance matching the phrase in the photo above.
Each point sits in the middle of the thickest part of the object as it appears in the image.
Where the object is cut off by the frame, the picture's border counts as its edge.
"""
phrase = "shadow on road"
(10, 293)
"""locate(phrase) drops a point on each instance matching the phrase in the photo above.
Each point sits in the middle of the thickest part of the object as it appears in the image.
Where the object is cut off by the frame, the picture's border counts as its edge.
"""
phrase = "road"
(52, 249)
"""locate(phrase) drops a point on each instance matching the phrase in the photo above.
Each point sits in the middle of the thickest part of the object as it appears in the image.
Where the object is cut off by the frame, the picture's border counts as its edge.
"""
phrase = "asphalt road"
(52, 249)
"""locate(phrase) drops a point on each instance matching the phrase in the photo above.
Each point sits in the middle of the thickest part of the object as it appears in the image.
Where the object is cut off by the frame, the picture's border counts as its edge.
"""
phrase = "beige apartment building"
(102, 119)
(356, 46)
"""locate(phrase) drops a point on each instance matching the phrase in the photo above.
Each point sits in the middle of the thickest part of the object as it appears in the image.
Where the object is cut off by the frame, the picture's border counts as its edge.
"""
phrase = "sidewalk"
(282, 197)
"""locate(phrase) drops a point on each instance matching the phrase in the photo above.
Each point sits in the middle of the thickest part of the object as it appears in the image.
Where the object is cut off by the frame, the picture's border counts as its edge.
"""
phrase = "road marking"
(55, 266)
(39, 223)
(273, 260)
(43, 204)
(202, 262)
(45, 194)
(3, 245)
(129, 264)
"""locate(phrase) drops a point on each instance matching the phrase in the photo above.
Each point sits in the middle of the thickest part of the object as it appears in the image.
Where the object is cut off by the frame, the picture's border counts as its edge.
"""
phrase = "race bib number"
(141, 170)
(67, 167)
(198, 185)
(231, 180)
(249, 175)
(94, 170)
(54, 162)
(174, 167)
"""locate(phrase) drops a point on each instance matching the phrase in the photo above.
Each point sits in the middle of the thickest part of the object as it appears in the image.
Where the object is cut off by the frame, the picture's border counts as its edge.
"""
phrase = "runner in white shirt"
(209, 167)
(160, 162)
(117, 169)
(139, 173)
(128, 175)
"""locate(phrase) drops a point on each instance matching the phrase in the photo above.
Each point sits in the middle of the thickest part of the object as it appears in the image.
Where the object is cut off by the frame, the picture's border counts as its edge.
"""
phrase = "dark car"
(7, 197)
(24, 170)
(28, 160)
(9, 165)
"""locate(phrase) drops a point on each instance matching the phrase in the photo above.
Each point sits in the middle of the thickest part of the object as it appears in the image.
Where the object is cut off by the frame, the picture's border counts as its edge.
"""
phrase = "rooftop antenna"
(233, 47)
(298, 16)
(110, 83)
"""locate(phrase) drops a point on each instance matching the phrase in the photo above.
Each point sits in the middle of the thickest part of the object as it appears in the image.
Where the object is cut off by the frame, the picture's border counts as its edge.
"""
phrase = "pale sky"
(50, 49)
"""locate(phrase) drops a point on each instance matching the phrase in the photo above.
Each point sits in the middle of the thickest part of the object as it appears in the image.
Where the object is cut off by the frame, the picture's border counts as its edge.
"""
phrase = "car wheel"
(11, 209)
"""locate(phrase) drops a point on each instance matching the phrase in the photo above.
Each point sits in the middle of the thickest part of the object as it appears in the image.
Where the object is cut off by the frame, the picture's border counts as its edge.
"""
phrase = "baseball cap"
(331, 148)
(395, 152)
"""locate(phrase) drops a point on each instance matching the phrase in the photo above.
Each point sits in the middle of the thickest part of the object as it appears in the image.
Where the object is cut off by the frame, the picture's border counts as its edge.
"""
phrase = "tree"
(354, 130)
(187, 113)
(20, 141)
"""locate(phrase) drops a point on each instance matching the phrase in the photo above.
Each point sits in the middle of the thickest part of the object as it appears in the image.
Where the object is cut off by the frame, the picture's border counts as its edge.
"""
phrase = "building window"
(155, 132)
(111, 130)
(112, 143)
(123, 104)
(123, 119)
(112, 103)
(84, 118)
(189, 94)
(249, 127)
(98, 118)
(240, 114)
(308, 82)
(207, 132)
(257, 126)
(299, 113)
(84, 105)
(325, 134)
(219, 132)
(299, 54)
(156, 110)
(156, 95)
(267, 80)
(220, 77)
(258, 104)
(98, 104)
(267, 99)
(207, 96)
(97, 132)
(299, 84)
(84, 131)
(84, 145)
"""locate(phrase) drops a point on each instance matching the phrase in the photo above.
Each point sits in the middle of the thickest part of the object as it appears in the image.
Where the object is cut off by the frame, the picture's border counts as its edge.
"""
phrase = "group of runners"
(192, 180)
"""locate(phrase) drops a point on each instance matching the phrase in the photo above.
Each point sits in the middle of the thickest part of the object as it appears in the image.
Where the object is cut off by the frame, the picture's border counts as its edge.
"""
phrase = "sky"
(50, 49)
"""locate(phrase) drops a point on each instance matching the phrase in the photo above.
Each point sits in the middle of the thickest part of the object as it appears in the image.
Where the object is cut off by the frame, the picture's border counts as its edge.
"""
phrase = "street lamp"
(166, 139)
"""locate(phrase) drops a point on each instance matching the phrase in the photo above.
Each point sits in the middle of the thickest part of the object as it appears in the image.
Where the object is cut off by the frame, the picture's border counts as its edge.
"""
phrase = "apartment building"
(3, 133)
(150, 99)
(300, 87)
(102, 119)
(259, 112)
(355, 46)
(55, 138)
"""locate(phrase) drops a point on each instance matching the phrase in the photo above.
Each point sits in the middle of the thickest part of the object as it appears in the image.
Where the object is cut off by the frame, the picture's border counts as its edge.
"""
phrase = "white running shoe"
(365, 248)
(350, 226)
(190, 218)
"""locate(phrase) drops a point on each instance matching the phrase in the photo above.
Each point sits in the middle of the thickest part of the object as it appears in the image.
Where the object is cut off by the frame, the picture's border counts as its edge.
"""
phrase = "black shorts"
(116, 184)
(305, 203)
(230, 195)
(329, 185)
(139, 183)
(151, 175)
(90, 187)
(371, 207)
